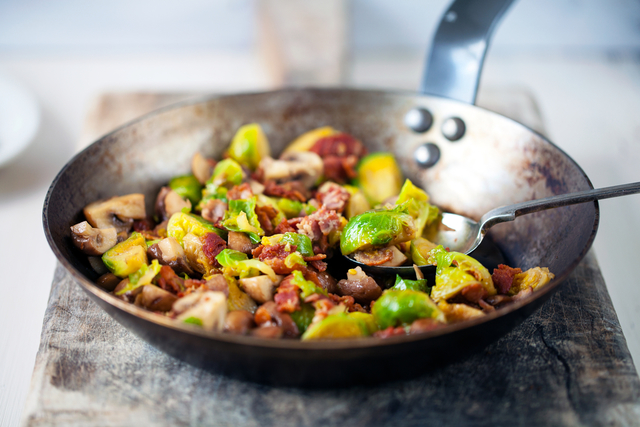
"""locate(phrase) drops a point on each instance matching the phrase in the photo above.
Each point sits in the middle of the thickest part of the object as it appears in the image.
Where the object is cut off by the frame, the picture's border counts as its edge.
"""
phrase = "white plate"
(19, 119)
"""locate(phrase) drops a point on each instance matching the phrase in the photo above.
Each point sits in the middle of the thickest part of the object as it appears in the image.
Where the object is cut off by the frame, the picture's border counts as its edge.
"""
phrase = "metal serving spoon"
(462, 234)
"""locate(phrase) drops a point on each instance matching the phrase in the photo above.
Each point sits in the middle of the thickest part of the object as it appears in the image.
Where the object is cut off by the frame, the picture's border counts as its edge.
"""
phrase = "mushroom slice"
(260, 288)
(93, 241)
(169, 252)
(155, 299)
(201, 168)
(304, 166)
(210, 311)
(169, 202)
(118, 212)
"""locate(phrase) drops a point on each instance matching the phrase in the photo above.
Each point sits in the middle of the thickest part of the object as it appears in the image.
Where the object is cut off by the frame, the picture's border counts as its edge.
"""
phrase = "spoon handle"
(511, 212)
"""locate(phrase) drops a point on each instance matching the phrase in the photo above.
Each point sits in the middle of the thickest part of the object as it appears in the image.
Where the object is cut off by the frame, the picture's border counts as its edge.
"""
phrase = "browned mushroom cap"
(118, 212)
(155, 299)
(93, 241)
(169, 202)
(304, 166)
(201, 167)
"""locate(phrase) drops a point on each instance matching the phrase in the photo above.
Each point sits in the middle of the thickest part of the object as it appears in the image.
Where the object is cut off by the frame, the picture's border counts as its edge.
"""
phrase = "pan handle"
(459, 46)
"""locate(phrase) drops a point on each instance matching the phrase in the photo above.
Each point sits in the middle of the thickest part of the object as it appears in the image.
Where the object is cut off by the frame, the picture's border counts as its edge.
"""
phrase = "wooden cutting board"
(568, 364)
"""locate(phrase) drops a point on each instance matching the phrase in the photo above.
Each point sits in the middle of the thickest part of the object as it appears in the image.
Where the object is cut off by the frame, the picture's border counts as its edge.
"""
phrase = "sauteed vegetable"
(244, 245)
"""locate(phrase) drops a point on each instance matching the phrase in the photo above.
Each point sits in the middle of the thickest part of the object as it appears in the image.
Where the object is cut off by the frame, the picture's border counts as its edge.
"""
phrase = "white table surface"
(590, 105)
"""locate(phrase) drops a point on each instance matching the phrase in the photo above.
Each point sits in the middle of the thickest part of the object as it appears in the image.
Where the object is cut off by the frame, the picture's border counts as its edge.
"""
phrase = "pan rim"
(297, 345)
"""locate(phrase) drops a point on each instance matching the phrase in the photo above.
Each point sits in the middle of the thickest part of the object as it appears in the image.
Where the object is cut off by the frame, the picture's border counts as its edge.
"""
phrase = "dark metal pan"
(496, 161)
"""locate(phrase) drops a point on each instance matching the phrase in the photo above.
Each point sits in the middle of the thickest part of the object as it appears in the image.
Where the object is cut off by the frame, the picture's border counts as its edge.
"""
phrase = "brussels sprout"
(188, 187)
(417, 202)
(181, 223)
(226, 174)
(357, 204)
(237, 299)
(236, 264)
(249, 146)
(413, 285)
(535, 278)
(455, 271)
(367, 318)
(377, 228)
(340, 325)
(302, 242)
(396, 308)
(303, 317)
(379, 177)
(126, 257)
(305, 141)
(419, 250)
(143, 276)
(307, 287)
(242, 217)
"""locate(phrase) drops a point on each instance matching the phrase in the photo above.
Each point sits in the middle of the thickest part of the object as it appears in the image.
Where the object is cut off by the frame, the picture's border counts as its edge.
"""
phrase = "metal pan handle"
(457, 53)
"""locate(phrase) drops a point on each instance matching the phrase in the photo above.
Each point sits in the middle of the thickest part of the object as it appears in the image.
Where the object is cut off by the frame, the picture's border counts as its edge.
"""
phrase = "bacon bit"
(348, 302)
(474, 293)
(340, 145)
(425, 325)
(318, 224)
(266, 215)
(194, 283)
(390, 332)
(333, 196)
(240, 192)
(257, 251)
(293, 190)
(279, 250)
(287, 296)
(503, 277)
(374, 257)
(146, 224)
(322, 306)
(318, 265)
(212, 245)
(214, 210)
(316, 257)
(168, 280)
(284, 227)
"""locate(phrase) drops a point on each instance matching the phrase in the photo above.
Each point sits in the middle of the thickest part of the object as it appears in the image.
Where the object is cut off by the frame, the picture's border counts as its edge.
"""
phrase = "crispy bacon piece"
(287, 298)
(390, 332)
(240, 192)
(212, 245)
(194, 283)
(214, 210)
(333, 196)
(293, 190)
(274, 256)
(503, 277)
(424, 325)
(284, 227)
(168, 280)
(318, 265)
(319, 224)
(340, 169)
(266, 215)
(340, 145)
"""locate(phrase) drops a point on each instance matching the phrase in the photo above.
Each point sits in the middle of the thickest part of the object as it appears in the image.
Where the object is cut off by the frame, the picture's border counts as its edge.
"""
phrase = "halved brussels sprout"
(305, 141)
(188, 187)
(303, 317)
(413, 285)
(455, 271)
(239, 300)
(419, 249)
(417, 202)
(302, 242)
(377, 228)
(126, 257)
(249, 146)
(143, 276)
(340, 325)
(357, 204)
(535, 278)
(226, 174)
(379, 177)
(237, 264)
(401, 308)
(180, 224)
(242, 217)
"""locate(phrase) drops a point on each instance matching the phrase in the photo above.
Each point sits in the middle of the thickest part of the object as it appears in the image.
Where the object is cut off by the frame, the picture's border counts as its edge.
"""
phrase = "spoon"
(462, 234)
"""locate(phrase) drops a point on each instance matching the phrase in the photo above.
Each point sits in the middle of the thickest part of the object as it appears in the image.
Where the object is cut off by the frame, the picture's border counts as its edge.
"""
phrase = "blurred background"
(578, 61)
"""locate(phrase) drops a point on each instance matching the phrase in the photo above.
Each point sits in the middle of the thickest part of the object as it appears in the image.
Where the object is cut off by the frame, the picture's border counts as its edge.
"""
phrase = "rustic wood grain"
(568, 364)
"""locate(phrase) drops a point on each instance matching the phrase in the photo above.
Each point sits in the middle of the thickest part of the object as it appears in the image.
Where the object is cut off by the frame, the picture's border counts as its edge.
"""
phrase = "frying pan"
(469, 160)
